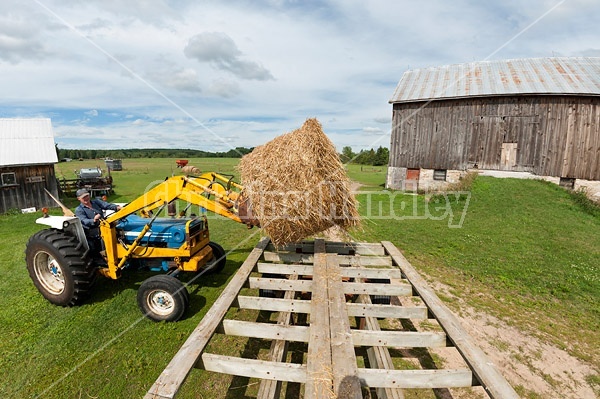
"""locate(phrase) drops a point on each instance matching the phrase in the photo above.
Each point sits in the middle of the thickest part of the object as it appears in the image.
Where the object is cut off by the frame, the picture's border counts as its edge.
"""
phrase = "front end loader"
(61, 266)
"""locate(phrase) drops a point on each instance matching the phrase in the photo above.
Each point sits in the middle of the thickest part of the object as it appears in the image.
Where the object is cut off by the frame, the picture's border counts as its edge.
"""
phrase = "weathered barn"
(527, 115)
(27, 158)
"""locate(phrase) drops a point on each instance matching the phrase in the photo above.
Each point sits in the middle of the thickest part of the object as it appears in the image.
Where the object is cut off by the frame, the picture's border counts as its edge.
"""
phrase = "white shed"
(27, 158)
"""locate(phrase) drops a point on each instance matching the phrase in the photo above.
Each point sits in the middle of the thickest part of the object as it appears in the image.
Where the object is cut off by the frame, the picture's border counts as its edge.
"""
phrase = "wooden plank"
(271, 389)
(377, 289)
(351, 272)
(379, 356)
(345, 380)
(279, 284)
(282, 268)
(358, 248)
(319, 370)
(342, 248)
(396, 312)
(274, 304)
(371, 273)
(265, 330)
(405, 339)
(595, 146)
(254, 368)
(364, 260)
(288, 257)
(380, 378)
(571, 132)
(343, 259)
(485, 371)
(593, 153)
(170, 380)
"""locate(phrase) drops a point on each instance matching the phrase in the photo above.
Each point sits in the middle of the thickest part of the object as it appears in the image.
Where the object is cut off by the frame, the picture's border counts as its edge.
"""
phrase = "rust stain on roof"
(552, 75)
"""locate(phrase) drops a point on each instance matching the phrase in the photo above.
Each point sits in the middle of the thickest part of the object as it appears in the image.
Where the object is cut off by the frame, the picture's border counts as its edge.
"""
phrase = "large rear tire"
(163, 298)
(58, 265)
(217, 263)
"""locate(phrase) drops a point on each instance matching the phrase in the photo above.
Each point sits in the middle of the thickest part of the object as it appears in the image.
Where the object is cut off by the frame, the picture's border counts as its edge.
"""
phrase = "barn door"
(519, 144)
(508, 160)
(412, 180)
(485, 146)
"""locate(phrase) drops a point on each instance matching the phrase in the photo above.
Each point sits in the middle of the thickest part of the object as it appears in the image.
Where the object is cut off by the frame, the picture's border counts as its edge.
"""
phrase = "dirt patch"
(354, 187)
(533, 367)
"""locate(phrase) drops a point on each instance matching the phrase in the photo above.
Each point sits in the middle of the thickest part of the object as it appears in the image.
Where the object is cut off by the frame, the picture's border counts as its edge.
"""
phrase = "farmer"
(90, 211)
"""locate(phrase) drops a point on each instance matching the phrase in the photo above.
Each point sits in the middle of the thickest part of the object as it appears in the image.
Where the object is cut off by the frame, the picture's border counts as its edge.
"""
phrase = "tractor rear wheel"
(163, 298)
(217, 263)
(58, 265)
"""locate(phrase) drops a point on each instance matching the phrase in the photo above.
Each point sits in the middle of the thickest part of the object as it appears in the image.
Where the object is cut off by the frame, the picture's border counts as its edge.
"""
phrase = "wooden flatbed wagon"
(337, 304)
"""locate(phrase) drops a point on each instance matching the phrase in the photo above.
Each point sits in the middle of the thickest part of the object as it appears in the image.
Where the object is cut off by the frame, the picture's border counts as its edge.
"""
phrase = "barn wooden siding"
(552, 135)
(29, 188)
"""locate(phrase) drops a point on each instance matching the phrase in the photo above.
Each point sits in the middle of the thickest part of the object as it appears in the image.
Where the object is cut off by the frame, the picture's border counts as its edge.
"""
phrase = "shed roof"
(555, 75)
(26, 141)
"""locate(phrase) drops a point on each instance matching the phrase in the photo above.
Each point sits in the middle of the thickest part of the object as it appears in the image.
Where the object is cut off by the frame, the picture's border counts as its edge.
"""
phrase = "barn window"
(439, 174)
(567, 182)
(8, 179)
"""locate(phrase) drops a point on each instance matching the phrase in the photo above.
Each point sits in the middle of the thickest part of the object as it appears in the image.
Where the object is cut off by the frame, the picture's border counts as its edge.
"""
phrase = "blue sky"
(214, 75)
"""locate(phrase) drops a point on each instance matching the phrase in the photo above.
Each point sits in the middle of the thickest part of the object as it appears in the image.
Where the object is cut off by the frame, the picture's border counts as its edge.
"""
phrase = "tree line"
(377, 157)
(238, 152)
(373, 157)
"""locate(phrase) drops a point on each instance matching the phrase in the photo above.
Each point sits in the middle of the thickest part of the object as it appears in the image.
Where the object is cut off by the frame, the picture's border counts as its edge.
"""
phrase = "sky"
(215, 75)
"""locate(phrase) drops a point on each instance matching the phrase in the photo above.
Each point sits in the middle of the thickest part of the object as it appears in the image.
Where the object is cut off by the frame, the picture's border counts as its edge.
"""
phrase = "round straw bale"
(297, 185)
(190, 170)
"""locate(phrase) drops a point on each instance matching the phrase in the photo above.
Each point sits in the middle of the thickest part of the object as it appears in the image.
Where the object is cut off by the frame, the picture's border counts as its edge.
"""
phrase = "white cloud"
(385, 119)
(218, 49)
(224, 88)
(158, 13)
(19, 40)
(182, 79)
(373, 130)
(589, 52)
(95, 25)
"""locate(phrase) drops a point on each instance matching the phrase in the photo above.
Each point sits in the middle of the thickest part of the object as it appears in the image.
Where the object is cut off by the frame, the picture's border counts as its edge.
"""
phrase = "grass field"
(526, 251)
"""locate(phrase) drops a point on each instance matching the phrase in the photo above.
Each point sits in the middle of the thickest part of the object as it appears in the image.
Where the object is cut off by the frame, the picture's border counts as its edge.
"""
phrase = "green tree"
(365, 157)
(347, 154)
(381, 156)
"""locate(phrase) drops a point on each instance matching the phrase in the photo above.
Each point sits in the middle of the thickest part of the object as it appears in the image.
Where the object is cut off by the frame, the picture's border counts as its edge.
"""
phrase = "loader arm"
(195, 190)
(214, 192)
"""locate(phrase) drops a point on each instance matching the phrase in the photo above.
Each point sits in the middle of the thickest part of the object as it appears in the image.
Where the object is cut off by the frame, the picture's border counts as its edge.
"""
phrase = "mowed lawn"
(525, 251)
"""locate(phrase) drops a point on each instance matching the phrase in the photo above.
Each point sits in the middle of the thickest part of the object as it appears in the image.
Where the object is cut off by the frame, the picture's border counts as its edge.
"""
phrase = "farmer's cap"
(82, 192)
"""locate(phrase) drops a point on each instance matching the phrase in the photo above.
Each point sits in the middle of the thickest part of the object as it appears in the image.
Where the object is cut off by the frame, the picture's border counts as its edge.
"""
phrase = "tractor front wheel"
(162, 298)
(57, 264)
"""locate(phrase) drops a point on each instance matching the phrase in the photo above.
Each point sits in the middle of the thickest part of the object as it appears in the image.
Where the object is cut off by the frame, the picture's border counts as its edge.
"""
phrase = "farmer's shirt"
(86, 215)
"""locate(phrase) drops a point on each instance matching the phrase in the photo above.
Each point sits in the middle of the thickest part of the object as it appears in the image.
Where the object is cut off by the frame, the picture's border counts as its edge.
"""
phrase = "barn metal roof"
(26, 142)
(556, 75)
